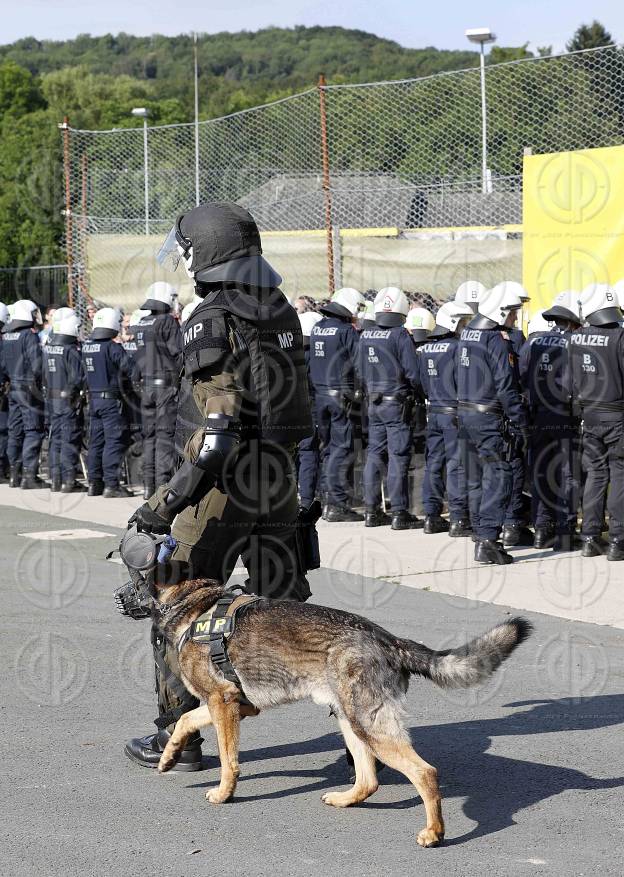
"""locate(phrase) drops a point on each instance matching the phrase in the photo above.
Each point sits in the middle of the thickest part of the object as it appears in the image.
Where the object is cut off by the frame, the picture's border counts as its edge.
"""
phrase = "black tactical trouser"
(159, 406)
(253, 514)
(603, 463)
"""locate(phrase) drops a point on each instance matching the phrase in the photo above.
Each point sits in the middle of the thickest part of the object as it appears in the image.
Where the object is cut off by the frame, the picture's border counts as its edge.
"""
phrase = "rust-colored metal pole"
(326, 186)
(69, 243)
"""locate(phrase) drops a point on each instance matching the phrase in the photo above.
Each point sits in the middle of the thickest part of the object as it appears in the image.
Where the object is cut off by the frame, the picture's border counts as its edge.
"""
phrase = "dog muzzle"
(140, 553)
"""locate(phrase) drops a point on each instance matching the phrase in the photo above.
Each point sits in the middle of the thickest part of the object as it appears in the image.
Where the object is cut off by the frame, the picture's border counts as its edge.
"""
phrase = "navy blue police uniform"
(390, 375)
(553, 452)
(4, 418)
(597, 360)
(106, 365)
(157, 367)
(516, 513)
(308, 452)
(438, 376)
(489, 402)
(334, 346)
(22, 358)
(63, 380)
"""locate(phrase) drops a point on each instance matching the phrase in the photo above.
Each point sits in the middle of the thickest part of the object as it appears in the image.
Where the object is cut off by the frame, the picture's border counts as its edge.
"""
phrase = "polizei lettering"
(328, 331)
(590, 340)
(371, 334)
(471, 335)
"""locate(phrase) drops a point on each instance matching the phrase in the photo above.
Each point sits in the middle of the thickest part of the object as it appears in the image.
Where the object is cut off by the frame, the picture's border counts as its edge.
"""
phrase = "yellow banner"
(573, 219)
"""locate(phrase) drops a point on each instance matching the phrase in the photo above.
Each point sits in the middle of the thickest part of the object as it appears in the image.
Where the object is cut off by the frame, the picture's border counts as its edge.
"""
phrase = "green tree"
(19, 93)
(589, 36)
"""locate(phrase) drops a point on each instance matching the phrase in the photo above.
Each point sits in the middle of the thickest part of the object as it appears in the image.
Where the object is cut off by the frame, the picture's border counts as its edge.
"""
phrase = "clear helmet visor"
(171, 252)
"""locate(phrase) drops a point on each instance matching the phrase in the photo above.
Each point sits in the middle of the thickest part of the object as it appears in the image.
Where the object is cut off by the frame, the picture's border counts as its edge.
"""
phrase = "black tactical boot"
(489, 551)
(341, 513)
(55, 483)
(146, 751)
(117, 492)
(31, 481)
(616, 550)
(404, 520)
(376, 518)
(72, 486)
(148, 491)
(593, 546)
(460, 528)
(15, 476)
(544, 537)
(517, 536)
(435, 524)
(567, 542)
(96, 488)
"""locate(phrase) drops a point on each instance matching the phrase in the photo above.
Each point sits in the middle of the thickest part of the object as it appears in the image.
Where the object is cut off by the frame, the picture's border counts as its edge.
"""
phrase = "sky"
(538, 22)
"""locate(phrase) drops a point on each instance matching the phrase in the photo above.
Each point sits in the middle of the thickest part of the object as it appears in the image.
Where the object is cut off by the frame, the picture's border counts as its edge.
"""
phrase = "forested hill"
(237, 69)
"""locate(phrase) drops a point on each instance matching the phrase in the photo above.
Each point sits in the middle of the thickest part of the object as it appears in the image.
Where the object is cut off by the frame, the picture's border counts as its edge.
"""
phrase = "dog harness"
(215, 627)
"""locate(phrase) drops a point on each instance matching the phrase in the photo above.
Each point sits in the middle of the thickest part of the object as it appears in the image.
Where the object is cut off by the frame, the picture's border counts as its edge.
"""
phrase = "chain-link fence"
(378, 183)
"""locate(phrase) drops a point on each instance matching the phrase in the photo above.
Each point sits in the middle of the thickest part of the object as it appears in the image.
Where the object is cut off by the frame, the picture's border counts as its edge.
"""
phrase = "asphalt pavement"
(531, 765)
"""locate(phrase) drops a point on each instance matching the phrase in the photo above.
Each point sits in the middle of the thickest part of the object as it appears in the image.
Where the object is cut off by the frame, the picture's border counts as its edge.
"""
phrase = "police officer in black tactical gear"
(107, 366)
(308, 451)
(4, 403)
(597, 360)
(22, 364)
(443, 464)
(334, 350)
(390, 376)
(63, 379)
(554, 448)
(236, 490)
(158, 365)
(492, 417)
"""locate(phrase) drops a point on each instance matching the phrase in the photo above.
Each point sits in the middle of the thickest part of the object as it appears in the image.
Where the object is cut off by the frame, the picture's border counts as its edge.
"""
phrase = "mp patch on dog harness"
(214, 628)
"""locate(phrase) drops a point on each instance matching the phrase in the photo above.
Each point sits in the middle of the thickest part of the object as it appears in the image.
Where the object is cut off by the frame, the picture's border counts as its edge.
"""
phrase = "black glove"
(149, 521)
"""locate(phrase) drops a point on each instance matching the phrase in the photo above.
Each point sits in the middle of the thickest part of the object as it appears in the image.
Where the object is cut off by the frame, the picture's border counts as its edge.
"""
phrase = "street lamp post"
(143, 113)
(482, 35)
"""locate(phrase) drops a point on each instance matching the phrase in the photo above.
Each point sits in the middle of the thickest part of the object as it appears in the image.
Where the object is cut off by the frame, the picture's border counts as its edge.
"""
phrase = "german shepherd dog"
(285, 651)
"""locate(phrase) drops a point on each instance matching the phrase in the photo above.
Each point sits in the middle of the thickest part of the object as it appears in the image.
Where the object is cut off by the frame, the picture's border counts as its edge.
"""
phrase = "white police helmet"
(619, 291)
(391, 300)
(26, 312)
(599, 305)
(469, 293)
(66, 322)
(367, 314)
(136, 316)
(518, 288)
(345, 302)
(160, 292)
(308, 321)
(566, 305)
(420, 323)
(449, 317)
(538, 323)
(106, 323)
(496, 303)
(5, 314)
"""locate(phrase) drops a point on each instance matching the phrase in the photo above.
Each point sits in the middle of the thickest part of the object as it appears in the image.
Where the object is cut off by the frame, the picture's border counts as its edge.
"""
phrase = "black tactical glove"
(149, 521)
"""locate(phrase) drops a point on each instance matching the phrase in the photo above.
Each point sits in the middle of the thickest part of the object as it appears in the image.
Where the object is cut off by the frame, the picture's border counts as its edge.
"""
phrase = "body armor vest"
(260, 341)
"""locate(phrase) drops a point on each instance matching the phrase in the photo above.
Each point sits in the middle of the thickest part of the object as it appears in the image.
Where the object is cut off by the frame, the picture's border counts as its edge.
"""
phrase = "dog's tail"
(469, 664)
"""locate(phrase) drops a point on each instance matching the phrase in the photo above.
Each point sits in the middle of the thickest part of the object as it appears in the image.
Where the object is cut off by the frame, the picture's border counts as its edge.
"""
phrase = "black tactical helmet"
(224, 242)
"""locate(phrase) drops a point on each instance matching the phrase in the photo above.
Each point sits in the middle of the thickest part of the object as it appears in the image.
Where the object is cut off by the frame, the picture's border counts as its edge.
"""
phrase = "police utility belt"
(442, 409)
(104, 394)
(602, 406)
(479, 408)
(215, 627)
(61, 394)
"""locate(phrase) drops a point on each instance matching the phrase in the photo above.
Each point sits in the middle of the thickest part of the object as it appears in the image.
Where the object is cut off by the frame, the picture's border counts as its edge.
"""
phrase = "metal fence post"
(326, 186)
(69, 243)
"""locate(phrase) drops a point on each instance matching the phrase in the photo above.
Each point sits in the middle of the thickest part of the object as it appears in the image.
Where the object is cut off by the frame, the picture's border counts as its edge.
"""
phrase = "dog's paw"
(167, 761)
(429, 838)
(337, 799)
(216, 796)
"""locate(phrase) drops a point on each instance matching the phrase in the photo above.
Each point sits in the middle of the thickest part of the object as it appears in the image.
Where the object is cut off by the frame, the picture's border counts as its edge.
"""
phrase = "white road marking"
(53, 535)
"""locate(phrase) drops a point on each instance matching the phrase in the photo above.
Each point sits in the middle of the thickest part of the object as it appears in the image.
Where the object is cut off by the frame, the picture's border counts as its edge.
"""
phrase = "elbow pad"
(192, 480)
